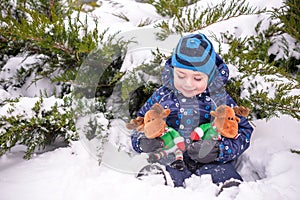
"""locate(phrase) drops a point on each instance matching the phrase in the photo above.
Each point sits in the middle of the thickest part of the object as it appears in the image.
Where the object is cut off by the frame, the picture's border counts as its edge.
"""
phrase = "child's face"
(189, 83)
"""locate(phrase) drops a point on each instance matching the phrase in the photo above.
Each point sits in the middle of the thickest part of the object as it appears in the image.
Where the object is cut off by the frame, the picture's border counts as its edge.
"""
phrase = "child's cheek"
(177, 83)
(201, 87)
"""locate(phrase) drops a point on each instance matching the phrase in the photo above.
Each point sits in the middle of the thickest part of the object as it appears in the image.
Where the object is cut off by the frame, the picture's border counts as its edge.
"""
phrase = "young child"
(193, 80)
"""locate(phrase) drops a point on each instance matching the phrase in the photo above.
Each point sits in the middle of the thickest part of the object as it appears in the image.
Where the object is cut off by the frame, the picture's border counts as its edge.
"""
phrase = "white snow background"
(269, 168)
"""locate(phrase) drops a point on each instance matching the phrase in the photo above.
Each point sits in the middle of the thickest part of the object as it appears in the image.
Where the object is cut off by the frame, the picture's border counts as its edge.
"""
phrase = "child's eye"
(180, 77)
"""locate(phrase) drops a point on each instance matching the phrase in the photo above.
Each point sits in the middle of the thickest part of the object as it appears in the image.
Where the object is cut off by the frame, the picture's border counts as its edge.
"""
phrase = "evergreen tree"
(53, 30)
(47, 28)
(69, 54)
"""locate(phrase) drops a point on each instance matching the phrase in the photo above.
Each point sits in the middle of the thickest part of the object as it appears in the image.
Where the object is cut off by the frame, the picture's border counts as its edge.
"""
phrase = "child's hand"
(203, 151)
(150, 145)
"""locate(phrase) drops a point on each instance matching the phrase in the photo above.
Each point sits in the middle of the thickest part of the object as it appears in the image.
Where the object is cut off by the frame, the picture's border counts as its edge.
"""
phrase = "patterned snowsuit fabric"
(188, 113)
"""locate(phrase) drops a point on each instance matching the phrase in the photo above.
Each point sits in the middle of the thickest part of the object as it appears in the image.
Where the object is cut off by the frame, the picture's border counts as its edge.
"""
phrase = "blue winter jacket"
(188, 113)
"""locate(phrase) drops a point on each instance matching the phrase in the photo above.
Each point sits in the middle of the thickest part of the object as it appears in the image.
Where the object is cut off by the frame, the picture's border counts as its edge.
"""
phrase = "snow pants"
(219, 173)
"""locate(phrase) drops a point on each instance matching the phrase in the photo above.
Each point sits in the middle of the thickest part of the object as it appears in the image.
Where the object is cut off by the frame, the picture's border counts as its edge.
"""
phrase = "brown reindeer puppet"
(225, 124)
(154, 125)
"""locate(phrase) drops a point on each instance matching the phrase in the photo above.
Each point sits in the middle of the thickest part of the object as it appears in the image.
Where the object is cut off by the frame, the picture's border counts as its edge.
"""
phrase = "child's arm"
(138, 140)
(232, 148)
(224, 150)
(155, 98)
(141, 144)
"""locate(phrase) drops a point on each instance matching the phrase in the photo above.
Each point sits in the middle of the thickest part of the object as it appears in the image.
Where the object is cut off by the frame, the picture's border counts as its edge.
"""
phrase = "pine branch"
(188, 20)
(295, 151)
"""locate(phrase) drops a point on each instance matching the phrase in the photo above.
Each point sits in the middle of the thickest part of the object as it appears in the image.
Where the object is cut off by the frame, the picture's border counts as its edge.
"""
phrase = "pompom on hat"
(195, 52)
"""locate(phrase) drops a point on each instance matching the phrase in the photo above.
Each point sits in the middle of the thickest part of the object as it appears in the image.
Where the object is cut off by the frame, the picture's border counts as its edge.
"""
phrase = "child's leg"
(219, 172)
(178, 176)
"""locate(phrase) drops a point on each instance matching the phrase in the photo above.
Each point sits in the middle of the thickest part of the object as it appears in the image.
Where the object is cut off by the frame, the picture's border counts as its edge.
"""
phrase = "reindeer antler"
(241, 111)
(136, 123)
(219, 112)
(160, 110)
(157, 108)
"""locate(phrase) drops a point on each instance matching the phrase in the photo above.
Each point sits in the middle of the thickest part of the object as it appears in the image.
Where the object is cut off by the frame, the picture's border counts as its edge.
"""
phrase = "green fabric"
(209, 131)
(169, 137)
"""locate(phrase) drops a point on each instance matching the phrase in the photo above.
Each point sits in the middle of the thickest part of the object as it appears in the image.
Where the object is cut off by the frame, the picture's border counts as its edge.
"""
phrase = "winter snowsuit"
(187, 114)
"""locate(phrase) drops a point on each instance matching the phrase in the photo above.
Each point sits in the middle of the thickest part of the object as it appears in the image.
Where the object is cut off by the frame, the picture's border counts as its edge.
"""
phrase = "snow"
(25, 105)
(72, 173)
(9, 73)
(269, 167)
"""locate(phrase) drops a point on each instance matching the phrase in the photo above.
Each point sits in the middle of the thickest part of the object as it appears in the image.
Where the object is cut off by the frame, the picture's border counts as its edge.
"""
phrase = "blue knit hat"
(195, 52)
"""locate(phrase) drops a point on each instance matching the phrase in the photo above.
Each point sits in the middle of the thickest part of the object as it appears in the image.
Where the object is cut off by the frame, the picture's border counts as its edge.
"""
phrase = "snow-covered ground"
(269, 167)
